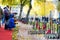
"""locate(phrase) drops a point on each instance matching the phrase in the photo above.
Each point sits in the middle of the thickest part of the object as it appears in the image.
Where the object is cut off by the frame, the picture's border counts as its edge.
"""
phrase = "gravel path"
(23, 33)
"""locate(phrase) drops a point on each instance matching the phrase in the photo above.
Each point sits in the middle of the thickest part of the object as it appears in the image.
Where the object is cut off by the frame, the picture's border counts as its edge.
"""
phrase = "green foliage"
(22, 4)
(42, 0)
(4, 2)
(10, 2)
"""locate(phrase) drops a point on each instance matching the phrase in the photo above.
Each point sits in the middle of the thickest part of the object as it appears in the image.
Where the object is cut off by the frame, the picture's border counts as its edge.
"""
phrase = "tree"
(30, 7)
(21, 7)
(22, 4)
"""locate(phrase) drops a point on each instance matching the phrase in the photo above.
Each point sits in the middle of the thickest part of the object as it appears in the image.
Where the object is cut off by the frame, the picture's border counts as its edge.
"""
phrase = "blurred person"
(31, 21)
(37, 25)
(44, 26)
(46, 19)
(7, 12)
(10, 24)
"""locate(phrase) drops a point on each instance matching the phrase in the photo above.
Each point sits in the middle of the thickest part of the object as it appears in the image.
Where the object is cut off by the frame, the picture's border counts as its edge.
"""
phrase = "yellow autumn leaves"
(9, 2)
(0, 2)
(42, 8)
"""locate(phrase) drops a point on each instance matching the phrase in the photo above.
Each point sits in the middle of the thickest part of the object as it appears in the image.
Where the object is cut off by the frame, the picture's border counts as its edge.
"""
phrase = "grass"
(14, 36)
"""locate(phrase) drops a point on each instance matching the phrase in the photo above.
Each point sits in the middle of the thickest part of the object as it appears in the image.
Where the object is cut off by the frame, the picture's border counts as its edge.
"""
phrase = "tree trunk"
(21, 9)
(30, 7)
